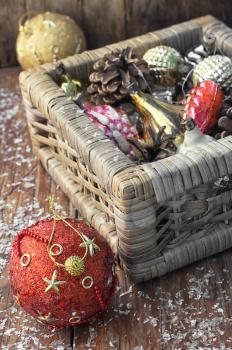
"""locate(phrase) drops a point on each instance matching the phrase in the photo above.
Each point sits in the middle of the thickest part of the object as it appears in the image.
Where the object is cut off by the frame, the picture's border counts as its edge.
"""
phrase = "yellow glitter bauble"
(74, 265)
(48, 37)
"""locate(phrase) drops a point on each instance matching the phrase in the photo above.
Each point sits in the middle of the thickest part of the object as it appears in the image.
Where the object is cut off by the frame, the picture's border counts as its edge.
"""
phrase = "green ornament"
(70, 88)
(164, 63)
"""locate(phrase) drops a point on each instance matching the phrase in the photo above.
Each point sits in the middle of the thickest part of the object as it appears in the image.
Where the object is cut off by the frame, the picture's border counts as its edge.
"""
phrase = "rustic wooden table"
(187, 309)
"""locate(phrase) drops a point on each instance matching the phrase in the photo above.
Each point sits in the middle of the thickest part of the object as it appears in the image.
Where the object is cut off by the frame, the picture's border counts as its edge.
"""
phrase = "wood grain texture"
(19, 172)
(106, 21)
(9, 15)
(147, 15)
(188, 309)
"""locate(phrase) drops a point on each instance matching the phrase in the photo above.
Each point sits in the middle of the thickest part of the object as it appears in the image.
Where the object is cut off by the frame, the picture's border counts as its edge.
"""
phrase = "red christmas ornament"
(61, 272)
(203, 105)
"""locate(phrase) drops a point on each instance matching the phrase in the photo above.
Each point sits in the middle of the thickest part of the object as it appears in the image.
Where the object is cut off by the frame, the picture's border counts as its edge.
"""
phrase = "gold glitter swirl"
(25, 259)
(74, 319)
(87, 282)
(79, 267)
(60, 249)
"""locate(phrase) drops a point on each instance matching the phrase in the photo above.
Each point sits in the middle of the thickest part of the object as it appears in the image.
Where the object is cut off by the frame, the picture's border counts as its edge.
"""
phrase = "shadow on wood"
(106, 21)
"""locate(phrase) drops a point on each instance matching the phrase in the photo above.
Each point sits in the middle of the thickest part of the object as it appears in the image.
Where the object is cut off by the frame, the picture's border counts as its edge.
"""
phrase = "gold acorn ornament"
(158, 116)
(217, 68)
(47, 37)
(74, 265)
(166, 64)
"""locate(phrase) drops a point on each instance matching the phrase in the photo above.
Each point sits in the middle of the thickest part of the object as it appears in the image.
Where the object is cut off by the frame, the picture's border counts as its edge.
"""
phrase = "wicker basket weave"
(157, 217)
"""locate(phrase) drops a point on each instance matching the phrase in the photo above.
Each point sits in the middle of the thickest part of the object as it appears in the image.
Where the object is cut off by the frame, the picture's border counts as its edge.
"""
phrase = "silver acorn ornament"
(217, 68)
(164, 63)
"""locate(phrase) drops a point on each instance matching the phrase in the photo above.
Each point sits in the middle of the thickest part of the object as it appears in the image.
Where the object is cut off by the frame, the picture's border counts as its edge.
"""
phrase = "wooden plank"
(187, 309)
(103, 21)
(148, 15)
(130, 323)
(24, 191)
(9, 16)
(106, 21)
(67, 7)
(196, 306)
(34, 7)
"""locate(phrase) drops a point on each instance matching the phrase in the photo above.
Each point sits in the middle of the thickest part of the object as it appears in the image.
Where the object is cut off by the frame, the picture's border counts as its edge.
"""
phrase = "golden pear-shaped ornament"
(47, 37)
(158, 115)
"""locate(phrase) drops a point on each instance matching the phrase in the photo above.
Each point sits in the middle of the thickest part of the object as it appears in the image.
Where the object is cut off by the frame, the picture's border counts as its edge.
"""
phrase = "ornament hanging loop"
(22, 20)
(79, 269)
(25, 259)
(52, 207)
(209, 43)
(87, 282)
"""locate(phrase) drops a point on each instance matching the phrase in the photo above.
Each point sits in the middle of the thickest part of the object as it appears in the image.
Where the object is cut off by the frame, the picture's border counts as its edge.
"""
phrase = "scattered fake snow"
(192, 316)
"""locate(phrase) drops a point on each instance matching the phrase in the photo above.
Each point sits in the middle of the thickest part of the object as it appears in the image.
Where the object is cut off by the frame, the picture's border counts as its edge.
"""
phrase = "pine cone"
(225, 123)
(225, 127)
(115, 72)
(225, 118)
(227, 106)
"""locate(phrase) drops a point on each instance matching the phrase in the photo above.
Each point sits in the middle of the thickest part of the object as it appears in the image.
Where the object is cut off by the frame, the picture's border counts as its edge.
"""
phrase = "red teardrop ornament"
(203, 105)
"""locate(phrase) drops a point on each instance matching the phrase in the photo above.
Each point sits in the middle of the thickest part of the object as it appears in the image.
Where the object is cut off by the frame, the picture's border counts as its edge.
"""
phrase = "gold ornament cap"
(74, 265)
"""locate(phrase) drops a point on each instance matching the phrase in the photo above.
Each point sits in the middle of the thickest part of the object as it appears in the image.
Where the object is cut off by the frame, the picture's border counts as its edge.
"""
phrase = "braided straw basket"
(159, 216)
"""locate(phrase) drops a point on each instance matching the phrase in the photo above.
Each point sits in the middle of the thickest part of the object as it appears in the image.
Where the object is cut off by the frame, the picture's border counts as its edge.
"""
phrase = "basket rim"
(29, 80)
(133, 189)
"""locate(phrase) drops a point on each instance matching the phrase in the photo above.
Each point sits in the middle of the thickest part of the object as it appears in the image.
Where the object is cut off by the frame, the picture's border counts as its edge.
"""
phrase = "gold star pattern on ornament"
(51, 202)
(53, 283)
(46, 318)
(89, 243)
